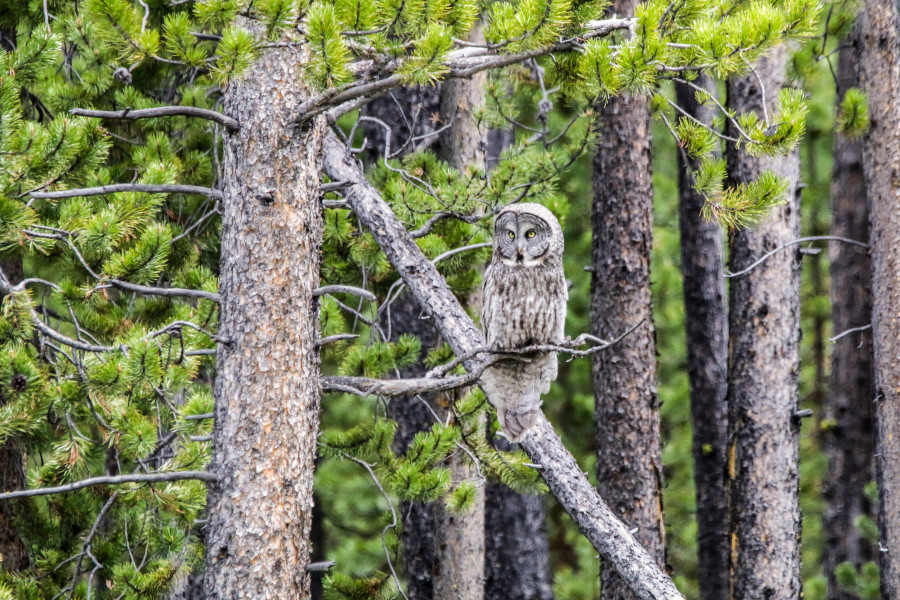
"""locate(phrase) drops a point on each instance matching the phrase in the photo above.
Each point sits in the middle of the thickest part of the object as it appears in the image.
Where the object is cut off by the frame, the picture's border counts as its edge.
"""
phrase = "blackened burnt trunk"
(706, 325)
(849, 426)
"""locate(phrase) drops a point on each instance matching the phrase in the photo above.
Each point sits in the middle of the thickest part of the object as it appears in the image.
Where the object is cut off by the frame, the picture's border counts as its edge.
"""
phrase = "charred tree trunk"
(407, 113)
(764, 324)
(850, 410)
(879, 61)
(267, 388)
(629, 465)
(13, 555)
(706, 324)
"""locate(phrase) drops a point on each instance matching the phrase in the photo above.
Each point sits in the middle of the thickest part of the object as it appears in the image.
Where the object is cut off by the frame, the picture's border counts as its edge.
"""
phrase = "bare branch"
(345, 289)
(160, 111)
(558, 468)
(199, 417)
(131, 187)
(112, 480)
(849, 331)
(812, 238)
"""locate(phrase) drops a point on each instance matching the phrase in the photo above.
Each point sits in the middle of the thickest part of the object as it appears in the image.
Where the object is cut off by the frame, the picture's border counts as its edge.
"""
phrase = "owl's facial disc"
(522, 239)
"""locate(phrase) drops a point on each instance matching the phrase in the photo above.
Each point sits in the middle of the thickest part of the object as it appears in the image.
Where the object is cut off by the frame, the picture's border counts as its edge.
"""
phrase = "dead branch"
(558, 467)
(160, 111)
(111, 480)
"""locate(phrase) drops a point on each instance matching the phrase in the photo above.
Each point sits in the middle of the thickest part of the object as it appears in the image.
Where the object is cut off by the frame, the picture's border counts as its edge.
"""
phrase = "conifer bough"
(558, 467)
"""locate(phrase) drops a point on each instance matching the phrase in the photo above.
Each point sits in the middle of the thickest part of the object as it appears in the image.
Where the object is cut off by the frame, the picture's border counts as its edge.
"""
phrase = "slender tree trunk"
(459, 538)
(706, 324)
(406, 112)
(13, 554)
(763, 451)
(629, 462)
(849, 431)
(267, 386)
(880, 78)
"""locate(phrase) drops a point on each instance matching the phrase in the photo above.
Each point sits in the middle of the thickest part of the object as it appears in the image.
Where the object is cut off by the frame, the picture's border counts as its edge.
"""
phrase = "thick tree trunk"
(764, 325)
(850, 410)
(629, 461)
(706, 324)
(267, 386)
(880, 78)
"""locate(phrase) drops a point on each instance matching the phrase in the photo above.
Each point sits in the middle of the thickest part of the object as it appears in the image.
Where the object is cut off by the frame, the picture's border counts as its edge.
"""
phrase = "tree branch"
(111, 480)
(131, 187)
(461, 64)
(160, 111)
(558, 467)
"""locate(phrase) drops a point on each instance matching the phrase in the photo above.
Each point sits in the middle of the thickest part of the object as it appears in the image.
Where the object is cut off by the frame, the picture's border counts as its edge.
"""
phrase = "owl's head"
(526, 235)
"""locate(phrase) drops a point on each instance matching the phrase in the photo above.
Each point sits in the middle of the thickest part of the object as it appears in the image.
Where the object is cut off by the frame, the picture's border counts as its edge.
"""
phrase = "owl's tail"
(515, 422)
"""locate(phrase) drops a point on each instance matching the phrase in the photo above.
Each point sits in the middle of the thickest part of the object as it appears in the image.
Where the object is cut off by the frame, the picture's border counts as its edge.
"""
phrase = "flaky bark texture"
(849, 433)
(267, 386)
(763, 450)
(629, 458)
(706, 324)
(880, 78)
(558, 468)
(13, 554)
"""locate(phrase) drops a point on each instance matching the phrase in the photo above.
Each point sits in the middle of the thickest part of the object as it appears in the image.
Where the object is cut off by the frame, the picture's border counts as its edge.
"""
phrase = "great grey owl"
(524, 303)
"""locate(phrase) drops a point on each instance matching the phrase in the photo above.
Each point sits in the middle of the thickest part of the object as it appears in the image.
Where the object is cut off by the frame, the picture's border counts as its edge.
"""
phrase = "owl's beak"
(520, 252)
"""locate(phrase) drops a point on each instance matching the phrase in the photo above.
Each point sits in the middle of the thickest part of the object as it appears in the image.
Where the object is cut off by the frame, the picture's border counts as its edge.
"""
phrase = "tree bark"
(267, 387)
(459, 538)
(880, 78)
(763, 451)
(706, 325)
(850, 410)
(629, 458)
(558, 468)
(13, 555)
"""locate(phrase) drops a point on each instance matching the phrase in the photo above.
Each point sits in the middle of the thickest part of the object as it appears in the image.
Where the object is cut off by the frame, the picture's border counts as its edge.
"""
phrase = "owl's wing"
(489, 306)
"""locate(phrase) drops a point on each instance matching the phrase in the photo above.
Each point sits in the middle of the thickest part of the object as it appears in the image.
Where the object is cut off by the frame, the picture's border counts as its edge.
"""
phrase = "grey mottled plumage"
(524, 303)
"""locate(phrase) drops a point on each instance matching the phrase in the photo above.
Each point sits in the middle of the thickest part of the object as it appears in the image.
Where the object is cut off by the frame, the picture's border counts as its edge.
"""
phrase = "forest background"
(59, 431)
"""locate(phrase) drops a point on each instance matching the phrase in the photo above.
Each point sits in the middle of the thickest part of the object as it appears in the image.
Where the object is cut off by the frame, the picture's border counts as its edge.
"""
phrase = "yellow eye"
(511, 235)
(530, 233)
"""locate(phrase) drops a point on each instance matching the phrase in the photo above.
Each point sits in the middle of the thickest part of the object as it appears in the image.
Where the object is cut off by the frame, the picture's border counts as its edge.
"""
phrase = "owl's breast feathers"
(524, 305)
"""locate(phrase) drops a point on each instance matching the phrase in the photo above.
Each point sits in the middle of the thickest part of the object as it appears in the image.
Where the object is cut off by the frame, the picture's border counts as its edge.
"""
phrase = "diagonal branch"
(558, 467)
(160, 111)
